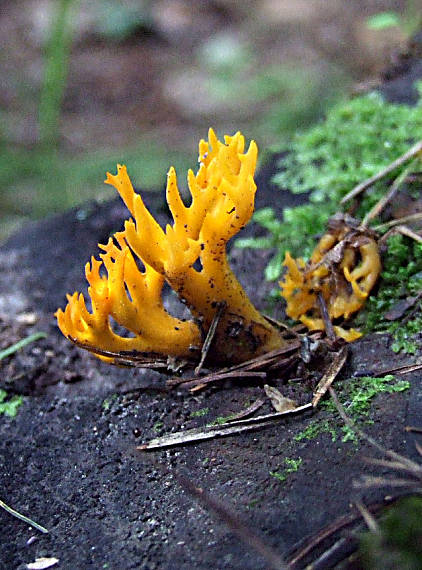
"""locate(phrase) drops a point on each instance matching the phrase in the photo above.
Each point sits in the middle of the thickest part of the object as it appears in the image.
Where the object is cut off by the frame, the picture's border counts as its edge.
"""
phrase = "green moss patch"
(356, 395)
(401, 281)
(9, 406)
(291, 466)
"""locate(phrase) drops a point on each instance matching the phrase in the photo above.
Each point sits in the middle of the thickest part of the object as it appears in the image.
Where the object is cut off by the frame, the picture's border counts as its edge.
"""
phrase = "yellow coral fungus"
(343, 269)
(223, 192)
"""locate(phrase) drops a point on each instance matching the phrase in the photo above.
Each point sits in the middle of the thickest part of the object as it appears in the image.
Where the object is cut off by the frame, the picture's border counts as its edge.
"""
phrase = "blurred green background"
(89, 83)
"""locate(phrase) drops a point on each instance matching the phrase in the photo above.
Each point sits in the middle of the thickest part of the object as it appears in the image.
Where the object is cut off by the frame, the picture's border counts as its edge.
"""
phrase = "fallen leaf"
(280, 403)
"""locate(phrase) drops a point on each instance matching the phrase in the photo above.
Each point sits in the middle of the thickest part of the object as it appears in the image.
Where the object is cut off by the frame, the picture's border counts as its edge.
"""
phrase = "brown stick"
(210, 335)
(328, 325)
(329, 376)
(370, 521)
(259, 363)
(200, 383)
(400, 370)
(413, 429)
(247, 411)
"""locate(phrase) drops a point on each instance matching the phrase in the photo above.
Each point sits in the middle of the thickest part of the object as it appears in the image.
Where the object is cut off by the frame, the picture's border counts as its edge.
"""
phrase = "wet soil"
(69, 459)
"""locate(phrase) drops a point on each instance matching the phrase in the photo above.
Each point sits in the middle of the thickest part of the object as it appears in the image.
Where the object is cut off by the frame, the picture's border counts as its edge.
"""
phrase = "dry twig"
(328, 325)
(399, 221)
(247, 411)
(381, 204)
(210, 336)
(310, 543)
(214, 431)
(369, 482)
(413, 429)
(370, 521)
(400, 370)
(416, 149)
(199, 383)
(338, 552)
(331, 373)
(256, 367)
(405, 231)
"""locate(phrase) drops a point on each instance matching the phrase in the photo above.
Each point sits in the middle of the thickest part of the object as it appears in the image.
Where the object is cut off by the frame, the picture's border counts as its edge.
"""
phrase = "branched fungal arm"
(190, 255)
(344, 278)
(132, 299)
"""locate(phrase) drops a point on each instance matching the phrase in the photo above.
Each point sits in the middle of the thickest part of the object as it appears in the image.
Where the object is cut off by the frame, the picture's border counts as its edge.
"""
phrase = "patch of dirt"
(68, 460)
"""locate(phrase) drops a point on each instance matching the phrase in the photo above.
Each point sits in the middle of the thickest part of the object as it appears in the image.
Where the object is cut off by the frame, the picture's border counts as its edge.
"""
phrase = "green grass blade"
(21, 343)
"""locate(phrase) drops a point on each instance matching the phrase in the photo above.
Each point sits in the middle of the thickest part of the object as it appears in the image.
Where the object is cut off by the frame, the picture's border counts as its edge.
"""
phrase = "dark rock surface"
(68, 460)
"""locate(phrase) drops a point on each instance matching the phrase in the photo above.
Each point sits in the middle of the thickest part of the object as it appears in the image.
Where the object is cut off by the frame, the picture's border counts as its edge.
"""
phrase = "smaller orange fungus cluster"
(343, 269)
(190, 255)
